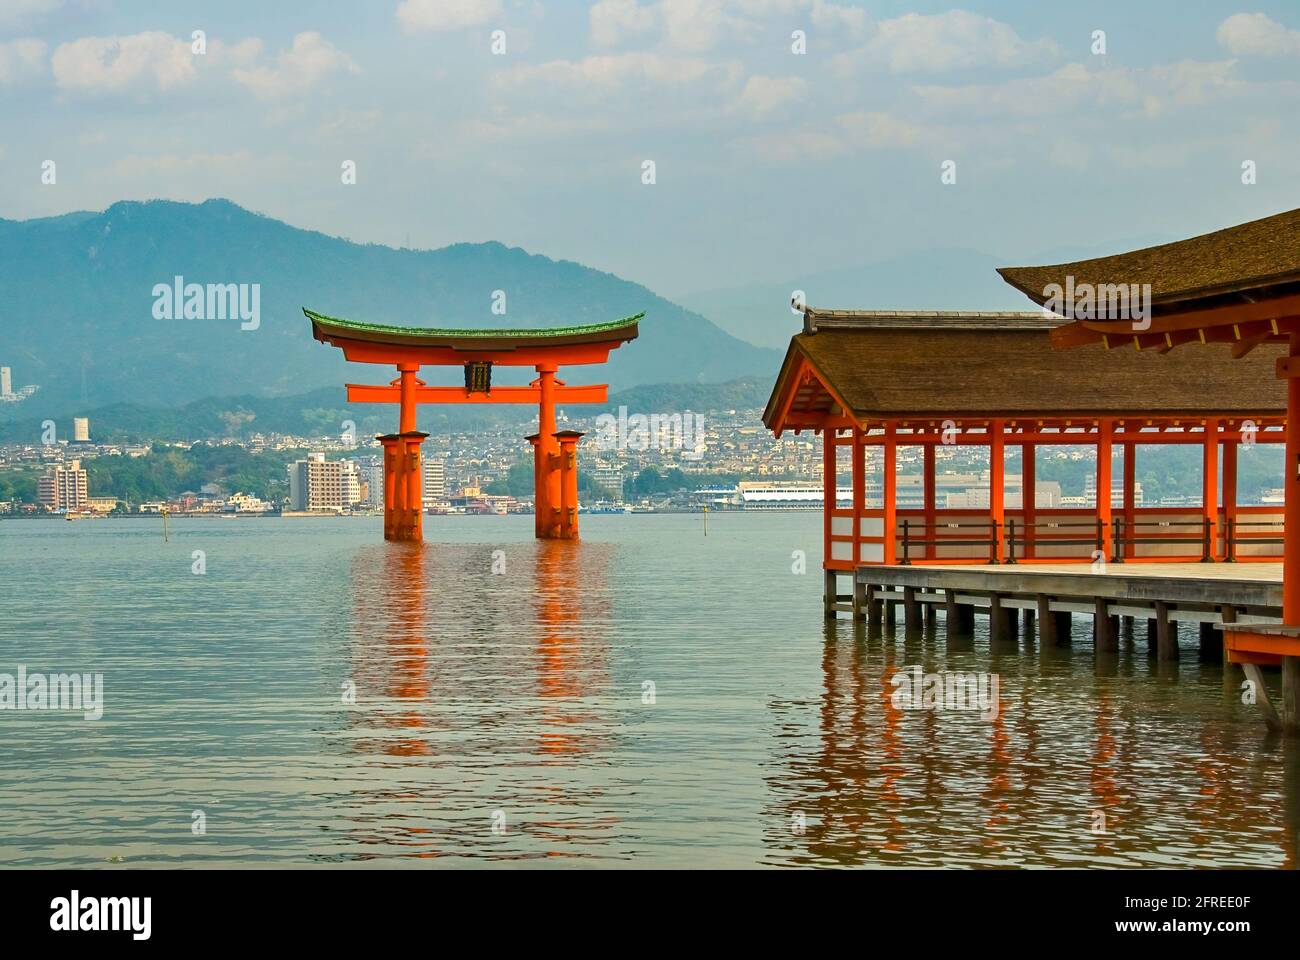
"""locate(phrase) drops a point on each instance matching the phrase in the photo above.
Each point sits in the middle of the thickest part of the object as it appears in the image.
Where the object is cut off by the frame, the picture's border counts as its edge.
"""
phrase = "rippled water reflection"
(517, 701)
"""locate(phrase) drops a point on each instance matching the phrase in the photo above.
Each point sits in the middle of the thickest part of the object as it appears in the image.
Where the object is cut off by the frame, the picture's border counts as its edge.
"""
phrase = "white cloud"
(306, 63)
(1255, 34)
(16, 13)
(613, 21)
(817, 142)
(443, 15)
(1075, 87)
(956, 40)
(698, 26)
(763, 96)
(874, 130)
(832, 16)
(688, 26)
(609, 73)
(140, 61)
(349, 123)
(21, 60)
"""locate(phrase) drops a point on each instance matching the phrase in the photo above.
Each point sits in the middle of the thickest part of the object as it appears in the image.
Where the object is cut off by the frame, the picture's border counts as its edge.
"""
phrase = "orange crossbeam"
(364, 393)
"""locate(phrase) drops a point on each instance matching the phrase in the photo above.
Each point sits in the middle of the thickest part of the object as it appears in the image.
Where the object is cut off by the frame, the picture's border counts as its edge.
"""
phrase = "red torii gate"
(555, 467)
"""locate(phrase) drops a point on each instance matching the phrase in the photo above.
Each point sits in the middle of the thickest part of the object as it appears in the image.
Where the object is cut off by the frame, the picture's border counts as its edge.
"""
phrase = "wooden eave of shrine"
(1239, 285)
(379, 343)
(865, 368)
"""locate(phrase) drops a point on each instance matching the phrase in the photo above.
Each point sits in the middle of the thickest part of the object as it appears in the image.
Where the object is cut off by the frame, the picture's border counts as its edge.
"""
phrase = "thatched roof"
(944, 365)
(1241, 263)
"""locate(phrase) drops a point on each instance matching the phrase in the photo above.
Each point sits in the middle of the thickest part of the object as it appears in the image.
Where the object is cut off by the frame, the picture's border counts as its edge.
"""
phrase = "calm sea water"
(509, 718)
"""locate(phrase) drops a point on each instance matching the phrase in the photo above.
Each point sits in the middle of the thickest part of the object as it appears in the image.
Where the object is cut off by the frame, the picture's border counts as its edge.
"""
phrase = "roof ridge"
(486, 332)
(817, 318)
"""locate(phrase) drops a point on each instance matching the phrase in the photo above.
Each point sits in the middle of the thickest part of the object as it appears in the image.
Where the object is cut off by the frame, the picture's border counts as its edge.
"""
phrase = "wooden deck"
(1200, 589)
(1161, 594)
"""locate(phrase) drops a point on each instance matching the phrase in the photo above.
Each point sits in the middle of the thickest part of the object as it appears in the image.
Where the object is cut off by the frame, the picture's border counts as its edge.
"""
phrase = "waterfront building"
(6, 383)
(371, 473)
(320, 485)
(435, 482)
(610, 479)
(1234, 296)
(786, 496)
(877, 382)
(247, 503)
(63, 487)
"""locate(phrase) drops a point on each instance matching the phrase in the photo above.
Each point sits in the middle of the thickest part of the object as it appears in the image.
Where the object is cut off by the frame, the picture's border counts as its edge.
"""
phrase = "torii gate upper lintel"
(410, 348)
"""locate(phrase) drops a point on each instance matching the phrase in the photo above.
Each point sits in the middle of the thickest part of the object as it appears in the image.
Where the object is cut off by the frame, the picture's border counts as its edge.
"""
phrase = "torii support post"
(403, 493)
(546, 458)
(568, 508)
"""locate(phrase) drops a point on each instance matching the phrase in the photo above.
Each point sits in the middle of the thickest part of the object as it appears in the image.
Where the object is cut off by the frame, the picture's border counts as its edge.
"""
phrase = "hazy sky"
(769, 164)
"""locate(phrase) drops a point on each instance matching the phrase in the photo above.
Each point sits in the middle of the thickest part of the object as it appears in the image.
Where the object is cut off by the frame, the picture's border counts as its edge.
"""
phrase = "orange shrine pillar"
(1105, 460)
(568, 473)
(546, 457)
(1130, 496)
(931, 531)
(394, 486)
(828, 495)
(413, 503)
(859, 492)
(890, 493)
(1210, 486)
(533, 439)
(1229, 495)
(1028, 496)
(1291, 535)
(998, 488)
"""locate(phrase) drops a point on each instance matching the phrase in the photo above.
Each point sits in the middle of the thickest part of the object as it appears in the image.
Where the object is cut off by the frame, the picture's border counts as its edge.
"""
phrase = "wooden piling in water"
(1289, 707)
(1002, 621)
(959, 619)
(1103, 629)
(1064, 627)
(1166, 634)
(1211, 643)
(875, 606)
(1046, 622)
(911, 610)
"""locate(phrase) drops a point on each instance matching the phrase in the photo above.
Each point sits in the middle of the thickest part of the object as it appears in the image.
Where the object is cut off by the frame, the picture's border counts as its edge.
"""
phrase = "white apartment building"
(63, 487)
(434, 472)
(317, 484)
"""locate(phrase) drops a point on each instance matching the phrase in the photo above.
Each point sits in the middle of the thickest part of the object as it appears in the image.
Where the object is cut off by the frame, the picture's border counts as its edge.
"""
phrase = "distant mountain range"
(323, 412)
(77, 309)
(945, 278)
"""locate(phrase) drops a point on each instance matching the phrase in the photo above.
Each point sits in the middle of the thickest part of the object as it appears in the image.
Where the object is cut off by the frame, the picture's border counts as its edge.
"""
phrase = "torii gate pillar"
(403, 489)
